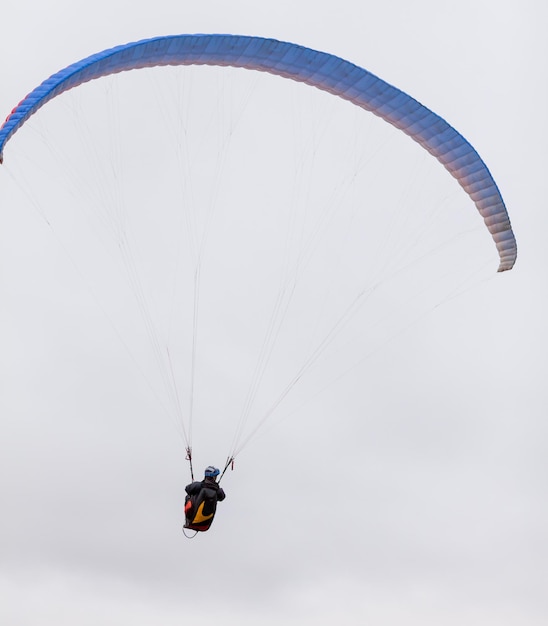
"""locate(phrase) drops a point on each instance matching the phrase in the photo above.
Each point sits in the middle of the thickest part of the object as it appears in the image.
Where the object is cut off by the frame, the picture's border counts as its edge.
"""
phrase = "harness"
(196, 518)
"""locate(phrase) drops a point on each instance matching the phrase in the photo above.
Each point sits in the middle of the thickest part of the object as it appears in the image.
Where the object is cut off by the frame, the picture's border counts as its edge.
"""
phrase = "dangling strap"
(189, 536)
(229, 463)
(189, 459)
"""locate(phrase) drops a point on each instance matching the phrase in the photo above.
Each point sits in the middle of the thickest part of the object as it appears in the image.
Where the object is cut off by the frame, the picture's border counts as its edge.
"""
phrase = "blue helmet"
(211, 471)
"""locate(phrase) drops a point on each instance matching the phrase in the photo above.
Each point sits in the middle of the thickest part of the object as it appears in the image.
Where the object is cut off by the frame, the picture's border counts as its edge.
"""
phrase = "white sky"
(436, 441)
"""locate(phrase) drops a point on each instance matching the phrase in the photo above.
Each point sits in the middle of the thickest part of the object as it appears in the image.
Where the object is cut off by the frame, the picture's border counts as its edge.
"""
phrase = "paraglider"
(201, 501)
(325, 72)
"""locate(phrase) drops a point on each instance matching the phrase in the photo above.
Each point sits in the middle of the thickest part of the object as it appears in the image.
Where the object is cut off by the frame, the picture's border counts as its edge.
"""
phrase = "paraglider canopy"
(319, 69)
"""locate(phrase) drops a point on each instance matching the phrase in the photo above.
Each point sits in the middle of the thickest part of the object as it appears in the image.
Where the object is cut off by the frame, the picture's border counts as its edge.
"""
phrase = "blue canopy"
(319, 69)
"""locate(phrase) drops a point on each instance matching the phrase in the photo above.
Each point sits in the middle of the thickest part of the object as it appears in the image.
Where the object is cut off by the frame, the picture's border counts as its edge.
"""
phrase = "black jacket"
(211, 485)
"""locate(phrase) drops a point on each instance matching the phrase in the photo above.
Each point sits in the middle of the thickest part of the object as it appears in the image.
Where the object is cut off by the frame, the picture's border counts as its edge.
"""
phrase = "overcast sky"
(404, 479)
